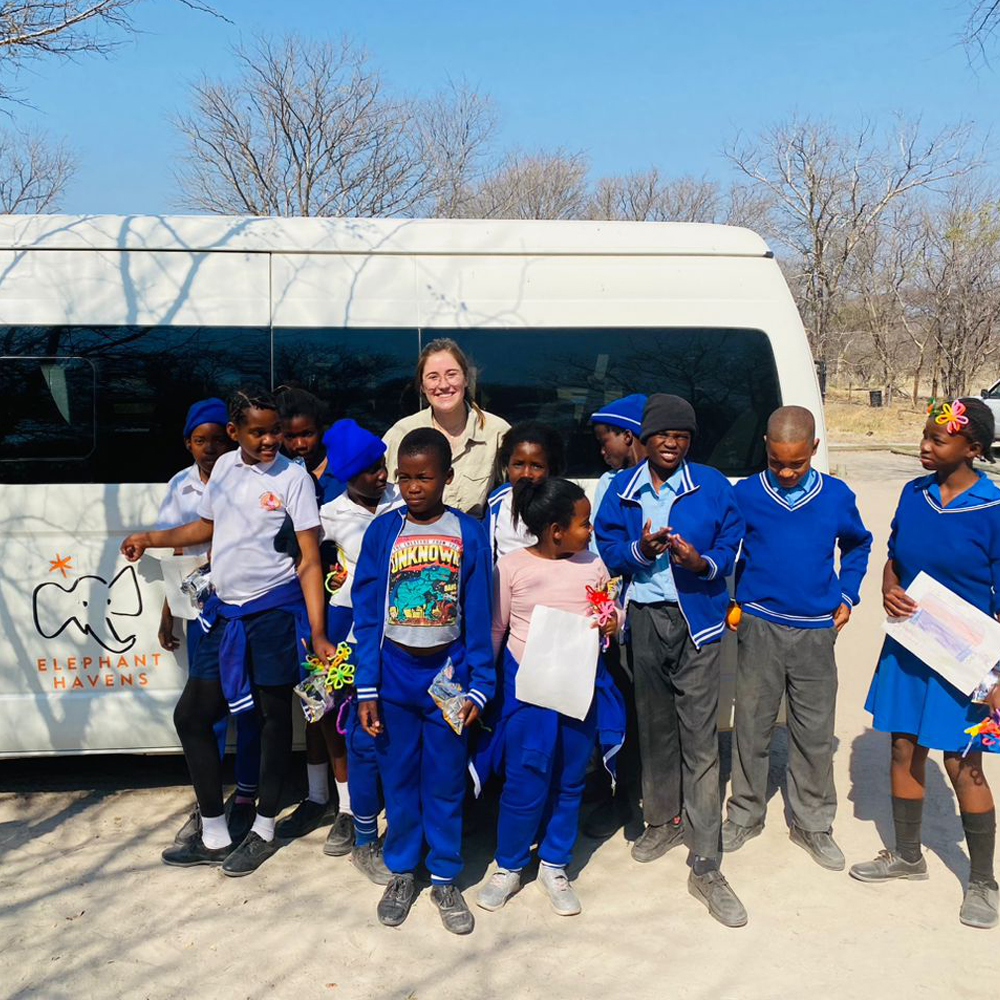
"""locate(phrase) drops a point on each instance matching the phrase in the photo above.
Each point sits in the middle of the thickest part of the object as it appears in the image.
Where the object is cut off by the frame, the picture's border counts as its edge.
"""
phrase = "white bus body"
(111, 326)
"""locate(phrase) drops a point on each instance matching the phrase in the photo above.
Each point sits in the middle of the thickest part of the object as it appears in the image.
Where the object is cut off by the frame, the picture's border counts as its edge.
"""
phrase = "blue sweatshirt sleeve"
(477, 612)
(855, 543)
(369, 613)
(620, 552)
(721, 555)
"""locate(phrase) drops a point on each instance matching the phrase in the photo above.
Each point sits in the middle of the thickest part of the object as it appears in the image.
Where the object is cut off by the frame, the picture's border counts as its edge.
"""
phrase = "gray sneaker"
(656, 841)
(734, 836)
(501, 886)
(888, 866)
(979, 907)
(556, 886)
(367, 858)
(821, 846)
(340, 839)
(717, 894)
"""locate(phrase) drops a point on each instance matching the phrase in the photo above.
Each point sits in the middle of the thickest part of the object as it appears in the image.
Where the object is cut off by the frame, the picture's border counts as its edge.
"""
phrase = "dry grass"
(853, 421)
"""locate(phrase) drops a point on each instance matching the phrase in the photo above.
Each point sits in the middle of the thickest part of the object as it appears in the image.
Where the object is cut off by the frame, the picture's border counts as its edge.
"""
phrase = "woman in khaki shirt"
(443, 380)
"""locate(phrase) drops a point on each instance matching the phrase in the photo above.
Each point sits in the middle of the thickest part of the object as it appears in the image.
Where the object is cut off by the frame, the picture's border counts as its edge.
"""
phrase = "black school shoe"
(455, 915)
(308, 816)
(193, 852)
(394, 906)
(190, 829)
(249, 856)
(340, 839)
(241, 817)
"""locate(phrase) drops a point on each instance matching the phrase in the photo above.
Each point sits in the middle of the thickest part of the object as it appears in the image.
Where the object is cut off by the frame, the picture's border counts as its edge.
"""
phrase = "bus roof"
(374, 236)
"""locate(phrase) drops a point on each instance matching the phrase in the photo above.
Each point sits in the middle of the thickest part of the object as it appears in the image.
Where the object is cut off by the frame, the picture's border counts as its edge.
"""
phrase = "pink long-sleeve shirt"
(522, 580)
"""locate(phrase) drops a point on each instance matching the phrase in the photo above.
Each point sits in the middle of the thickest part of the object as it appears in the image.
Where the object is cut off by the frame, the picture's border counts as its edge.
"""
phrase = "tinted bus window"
(364, 374)
(142, 380)
(561, 376)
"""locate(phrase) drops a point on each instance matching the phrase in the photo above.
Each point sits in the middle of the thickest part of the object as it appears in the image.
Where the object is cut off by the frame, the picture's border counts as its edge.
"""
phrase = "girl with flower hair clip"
(947, 524)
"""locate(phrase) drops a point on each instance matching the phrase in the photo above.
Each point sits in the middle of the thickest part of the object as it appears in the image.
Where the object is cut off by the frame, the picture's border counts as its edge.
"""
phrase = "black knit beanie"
(664, 412)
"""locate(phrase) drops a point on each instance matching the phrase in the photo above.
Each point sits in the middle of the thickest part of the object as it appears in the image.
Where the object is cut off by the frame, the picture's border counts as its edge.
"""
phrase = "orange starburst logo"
(61, 563)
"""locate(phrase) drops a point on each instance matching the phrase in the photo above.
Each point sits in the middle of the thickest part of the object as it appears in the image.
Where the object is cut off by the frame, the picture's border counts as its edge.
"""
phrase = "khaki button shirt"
(473, 458)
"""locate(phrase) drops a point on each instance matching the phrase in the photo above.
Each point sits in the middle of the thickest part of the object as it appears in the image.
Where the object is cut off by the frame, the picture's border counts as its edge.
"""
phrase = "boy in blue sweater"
(671, 529)
(421, 598)
(791, 612)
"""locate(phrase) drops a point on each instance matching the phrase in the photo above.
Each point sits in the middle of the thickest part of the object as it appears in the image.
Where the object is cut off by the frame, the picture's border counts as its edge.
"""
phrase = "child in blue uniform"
(303, 423)
(529, 450)
(947, 524)
(259, 513)
(792, 610)
(671, 529)
(206, 439)
(616, 427)
(544, 753)
(422, 602)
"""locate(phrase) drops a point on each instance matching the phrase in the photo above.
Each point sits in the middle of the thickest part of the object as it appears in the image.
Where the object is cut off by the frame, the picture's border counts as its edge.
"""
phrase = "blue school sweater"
(369, 593)
(704, 514)
(786, 572)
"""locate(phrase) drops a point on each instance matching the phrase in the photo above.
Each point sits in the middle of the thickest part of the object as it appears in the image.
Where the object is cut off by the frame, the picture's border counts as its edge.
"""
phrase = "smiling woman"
(442, 379)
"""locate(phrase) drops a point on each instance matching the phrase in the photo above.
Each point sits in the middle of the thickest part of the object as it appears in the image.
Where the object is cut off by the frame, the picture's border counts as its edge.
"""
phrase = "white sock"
(214, 832)
(263, 827)
(319, 783)
(344, 796)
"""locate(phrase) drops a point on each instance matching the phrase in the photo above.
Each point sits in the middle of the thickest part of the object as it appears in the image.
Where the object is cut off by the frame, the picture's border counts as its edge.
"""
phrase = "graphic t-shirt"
(425, 567)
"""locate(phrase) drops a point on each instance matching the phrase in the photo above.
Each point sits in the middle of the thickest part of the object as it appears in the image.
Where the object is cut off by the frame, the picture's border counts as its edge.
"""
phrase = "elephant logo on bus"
(93, 605)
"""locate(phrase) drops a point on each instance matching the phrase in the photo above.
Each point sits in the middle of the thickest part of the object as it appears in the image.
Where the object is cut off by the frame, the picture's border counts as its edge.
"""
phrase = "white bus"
(111, 326)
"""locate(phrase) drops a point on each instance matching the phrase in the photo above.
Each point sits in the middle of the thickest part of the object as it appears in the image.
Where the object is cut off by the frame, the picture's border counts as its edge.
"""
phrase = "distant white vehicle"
(111, 326)
(991, 397)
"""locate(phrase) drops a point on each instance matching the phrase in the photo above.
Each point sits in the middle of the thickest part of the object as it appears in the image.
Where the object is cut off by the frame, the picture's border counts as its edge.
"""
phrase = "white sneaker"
(501, 886)
(556, 885)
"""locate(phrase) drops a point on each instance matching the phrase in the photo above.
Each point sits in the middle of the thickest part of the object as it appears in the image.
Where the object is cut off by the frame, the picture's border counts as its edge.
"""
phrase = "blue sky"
(629, 84)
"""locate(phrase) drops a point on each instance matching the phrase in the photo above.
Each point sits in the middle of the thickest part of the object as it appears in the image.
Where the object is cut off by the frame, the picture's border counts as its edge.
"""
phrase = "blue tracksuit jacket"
(704, 514)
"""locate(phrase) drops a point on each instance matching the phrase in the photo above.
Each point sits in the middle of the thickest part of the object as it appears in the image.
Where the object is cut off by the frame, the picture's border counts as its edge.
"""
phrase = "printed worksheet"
(951, 636)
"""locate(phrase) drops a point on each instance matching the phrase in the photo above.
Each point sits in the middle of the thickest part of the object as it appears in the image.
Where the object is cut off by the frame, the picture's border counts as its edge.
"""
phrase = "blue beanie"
(207, 411)
(351, 449)
(625, 413)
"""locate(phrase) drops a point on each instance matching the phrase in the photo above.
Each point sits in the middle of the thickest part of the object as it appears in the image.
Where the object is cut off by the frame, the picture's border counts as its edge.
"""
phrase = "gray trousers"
(776, 660)
(677, 704)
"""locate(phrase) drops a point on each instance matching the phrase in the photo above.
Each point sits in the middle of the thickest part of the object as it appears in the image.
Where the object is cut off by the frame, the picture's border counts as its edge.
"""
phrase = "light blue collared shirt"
(656, 582)
(798, 491)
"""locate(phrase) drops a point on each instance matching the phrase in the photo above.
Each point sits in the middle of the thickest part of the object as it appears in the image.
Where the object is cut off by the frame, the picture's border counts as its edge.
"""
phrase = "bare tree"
(532, 186)
(34, 172)
(31, 29)
(456, 127)
(307, 129)
(981, 25)
(646, 196)
(830, 188)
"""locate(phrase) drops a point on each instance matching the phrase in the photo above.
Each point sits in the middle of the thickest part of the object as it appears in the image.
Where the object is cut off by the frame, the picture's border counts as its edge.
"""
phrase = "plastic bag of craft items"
(448, 696)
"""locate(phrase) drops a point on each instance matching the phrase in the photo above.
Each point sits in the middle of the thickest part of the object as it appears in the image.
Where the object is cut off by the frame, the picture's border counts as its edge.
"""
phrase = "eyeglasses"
(453, 376)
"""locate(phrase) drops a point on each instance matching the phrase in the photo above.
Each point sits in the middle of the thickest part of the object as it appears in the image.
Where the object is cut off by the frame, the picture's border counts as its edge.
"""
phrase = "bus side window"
(50, 404)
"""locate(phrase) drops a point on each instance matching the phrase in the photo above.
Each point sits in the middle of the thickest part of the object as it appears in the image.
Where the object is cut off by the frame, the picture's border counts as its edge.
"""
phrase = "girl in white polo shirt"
(259, 512)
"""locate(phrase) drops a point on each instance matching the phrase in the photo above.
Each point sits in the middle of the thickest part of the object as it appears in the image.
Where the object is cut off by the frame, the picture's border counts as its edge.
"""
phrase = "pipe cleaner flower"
(952, 415)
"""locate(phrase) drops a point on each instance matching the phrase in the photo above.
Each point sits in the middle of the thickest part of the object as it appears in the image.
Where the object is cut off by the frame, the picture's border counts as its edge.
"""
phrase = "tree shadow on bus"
(941, 832)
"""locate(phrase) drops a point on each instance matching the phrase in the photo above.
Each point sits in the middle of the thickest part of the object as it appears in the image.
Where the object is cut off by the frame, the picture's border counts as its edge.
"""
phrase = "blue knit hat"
(351, 449)
(207, 411)
(625, 413)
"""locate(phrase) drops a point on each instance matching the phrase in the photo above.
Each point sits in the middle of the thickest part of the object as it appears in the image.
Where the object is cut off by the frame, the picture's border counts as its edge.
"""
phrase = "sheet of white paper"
(951, 636)
(559, 664)
(175, 569)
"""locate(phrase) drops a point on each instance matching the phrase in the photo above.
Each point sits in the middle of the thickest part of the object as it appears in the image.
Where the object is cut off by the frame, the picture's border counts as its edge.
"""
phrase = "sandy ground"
(88, 910)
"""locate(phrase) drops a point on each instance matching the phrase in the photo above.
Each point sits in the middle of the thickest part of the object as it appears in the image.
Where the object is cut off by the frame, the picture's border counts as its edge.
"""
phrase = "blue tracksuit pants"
(247, 730)
(422, 764)
(362, 779)
(545, 764)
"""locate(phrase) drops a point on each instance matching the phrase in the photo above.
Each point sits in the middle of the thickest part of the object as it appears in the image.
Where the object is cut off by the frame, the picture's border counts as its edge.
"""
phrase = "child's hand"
(653, 543)
(841, 616)
(168, 640)
(686, 555)
(134, 546)
(323, 648)
(897, 603)
(468, 713)
(993, 698)
(368, 717)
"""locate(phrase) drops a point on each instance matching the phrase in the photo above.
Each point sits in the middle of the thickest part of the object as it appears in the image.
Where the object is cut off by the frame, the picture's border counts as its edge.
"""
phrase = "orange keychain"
(734, 615)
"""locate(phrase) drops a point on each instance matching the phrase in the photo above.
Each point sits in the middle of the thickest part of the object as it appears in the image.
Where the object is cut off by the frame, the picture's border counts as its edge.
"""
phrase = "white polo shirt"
(180, 505)
(249, 505)
(345, 523)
